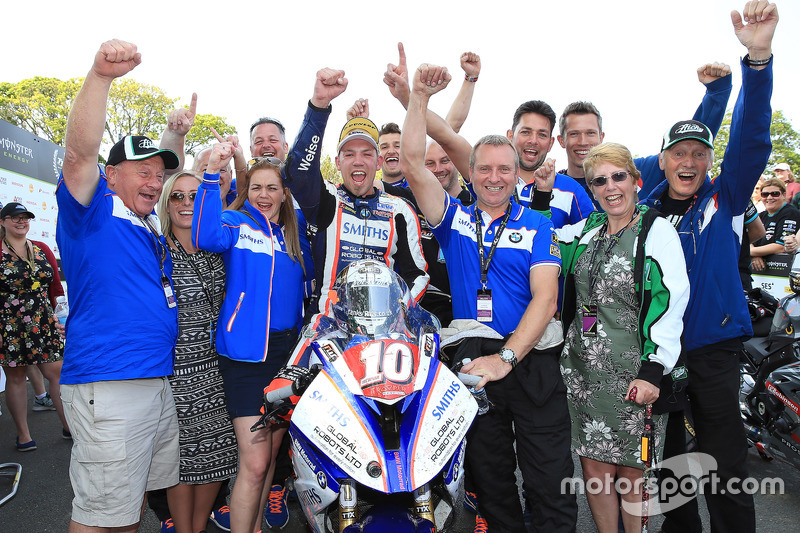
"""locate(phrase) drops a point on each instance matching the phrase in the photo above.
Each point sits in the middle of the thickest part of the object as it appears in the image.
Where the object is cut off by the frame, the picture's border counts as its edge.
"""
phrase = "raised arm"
(428, 80)
(87, 119)
(456, 147)
(208, 231)
(459, 110)
(302, 167)
(749, 144)
(179, 122)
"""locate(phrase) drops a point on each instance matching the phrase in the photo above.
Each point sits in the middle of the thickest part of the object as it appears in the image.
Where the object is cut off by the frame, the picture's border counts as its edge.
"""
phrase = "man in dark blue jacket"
(716, 318)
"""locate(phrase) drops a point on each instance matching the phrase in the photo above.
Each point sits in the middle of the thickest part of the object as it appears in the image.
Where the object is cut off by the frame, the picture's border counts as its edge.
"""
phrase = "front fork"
(348, 500)
(422, 503)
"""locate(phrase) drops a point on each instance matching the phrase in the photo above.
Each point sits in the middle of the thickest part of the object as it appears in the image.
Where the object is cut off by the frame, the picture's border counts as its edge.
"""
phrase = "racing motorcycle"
(378, 432)
(769, 395)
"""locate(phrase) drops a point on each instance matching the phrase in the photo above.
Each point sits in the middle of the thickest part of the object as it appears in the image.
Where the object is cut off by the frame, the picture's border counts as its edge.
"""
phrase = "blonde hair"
(613, 153)
(163, 203)
(286, 216)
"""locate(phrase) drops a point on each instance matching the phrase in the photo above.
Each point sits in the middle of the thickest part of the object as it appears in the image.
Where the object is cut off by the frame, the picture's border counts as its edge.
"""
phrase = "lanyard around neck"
(484, 259)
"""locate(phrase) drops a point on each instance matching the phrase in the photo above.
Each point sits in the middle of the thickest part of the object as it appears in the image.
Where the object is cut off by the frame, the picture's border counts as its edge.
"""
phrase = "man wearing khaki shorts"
(123, 325)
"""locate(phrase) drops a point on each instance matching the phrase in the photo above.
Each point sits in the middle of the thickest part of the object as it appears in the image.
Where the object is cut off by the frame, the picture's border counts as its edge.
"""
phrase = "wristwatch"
(508, 356)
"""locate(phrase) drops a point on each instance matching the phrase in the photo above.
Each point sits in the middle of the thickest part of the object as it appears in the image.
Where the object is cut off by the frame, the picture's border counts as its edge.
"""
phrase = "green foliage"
(200, 135)
(785, 143)
(329, 171)
(136, 108)
(39, 105)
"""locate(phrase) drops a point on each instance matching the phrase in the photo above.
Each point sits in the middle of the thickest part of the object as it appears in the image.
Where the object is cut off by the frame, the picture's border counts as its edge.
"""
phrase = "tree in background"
(200, 135)
(329, 171)
(136, 108)
(41, 106)
(785, 143)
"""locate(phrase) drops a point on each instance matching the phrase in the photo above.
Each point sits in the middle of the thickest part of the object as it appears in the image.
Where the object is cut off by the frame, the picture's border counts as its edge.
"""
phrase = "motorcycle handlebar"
(280, 394)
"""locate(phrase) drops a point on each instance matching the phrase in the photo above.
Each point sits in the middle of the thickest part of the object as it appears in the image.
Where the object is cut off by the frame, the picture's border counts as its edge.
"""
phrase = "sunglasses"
(271, 160)
(178, 197)
(618, 177)
(767, 194)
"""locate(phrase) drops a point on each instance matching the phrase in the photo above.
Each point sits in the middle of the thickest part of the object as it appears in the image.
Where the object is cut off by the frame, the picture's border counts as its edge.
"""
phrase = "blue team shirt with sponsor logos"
(527, 241)
(120, 325)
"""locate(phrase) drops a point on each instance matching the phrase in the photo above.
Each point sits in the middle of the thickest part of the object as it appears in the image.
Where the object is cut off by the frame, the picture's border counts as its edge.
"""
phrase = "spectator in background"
(29, 335)
(783, 172)
(780, 220)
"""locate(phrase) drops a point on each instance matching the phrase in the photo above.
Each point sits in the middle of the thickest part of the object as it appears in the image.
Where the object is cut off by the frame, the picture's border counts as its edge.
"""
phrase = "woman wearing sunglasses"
(780, 220)
(207, 443)
(263, 247)
(619, 334)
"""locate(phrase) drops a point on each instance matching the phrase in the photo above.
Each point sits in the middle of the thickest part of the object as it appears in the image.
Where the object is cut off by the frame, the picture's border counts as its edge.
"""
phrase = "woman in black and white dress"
(208, 453)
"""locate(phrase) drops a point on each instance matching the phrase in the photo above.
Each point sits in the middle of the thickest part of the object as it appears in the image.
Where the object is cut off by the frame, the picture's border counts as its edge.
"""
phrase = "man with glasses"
(124, 321)
(716, 318)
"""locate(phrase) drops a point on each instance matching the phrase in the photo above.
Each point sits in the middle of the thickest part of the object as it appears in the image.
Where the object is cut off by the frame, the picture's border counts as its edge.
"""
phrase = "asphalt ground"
(42, 503)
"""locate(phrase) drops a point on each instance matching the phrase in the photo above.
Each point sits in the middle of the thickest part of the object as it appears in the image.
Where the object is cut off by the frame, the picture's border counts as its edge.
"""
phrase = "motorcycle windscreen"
(787, 318)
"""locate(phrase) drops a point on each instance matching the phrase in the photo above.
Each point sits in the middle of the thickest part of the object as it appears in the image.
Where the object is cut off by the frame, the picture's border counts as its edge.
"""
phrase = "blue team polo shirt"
(120, 326)
(569, 203)
(528, 241)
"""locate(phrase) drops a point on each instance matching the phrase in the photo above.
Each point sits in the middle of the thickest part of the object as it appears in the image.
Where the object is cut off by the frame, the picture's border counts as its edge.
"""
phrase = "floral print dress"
(598, 369)
(27, 322)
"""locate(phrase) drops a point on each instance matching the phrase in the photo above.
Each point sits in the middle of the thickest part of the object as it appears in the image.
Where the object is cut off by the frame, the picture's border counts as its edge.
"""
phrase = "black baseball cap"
(687, 129)
(137, 148)
(13, 209)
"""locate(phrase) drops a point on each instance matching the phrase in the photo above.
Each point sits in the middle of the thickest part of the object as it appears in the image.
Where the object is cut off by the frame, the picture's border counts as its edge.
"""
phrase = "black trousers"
(714, 403)
(542, 434)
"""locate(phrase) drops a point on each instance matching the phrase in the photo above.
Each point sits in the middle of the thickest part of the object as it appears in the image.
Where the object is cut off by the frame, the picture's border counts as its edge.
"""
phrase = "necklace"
(611, 241)
(28, 259)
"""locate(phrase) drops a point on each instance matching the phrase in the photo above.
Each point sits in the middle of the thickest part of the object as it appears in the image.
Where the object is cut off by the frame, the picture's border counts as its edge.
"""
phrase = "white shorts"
(125, 442)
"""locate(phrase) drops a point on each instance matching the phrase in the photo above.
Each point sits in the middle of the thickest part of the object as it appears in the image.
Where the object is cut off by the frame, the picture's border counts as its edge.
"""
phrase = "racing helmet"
(370, 299)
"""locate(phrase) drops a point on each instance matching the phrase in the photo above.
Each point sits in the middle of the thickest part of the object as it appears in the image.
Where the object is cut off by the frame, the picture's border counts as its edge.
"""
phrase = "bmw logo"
(322, 480)
(515, 237)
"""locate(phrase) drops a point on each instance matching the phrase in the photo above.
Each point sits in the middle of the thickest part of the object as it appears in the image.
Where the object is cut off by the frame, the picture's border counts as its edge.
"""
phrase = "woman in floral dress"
(28, 331)
(619, 336)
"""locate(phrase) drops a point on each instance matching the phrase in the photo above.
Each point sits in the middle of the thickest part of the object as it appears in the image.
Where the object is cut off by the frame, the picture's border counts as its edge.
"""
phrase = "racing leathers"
(348, 228)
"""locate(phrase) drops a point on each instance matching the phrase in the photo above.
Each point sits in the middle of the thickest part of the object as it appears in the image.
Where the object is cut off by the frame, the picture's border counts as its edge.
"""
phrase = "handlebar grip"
(468, 379)
(280, 394)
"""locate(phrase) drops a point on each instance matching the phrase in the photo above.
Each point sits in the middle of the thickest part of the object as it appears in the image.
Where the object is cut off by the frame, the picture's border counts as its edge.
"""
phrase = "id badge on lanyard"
(485, 305)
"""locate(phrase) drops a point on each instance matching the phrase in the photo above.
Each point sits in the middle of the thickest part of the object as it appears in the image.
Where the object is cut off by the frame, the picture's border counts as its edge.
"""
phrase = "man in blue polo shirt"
(123, 323)
(509, 283)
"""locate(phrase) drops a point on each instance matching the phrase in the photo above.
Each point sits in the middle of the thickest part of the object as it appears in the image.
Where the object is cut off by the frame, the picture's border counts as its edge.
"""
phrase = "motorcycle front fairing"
(384, 412)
